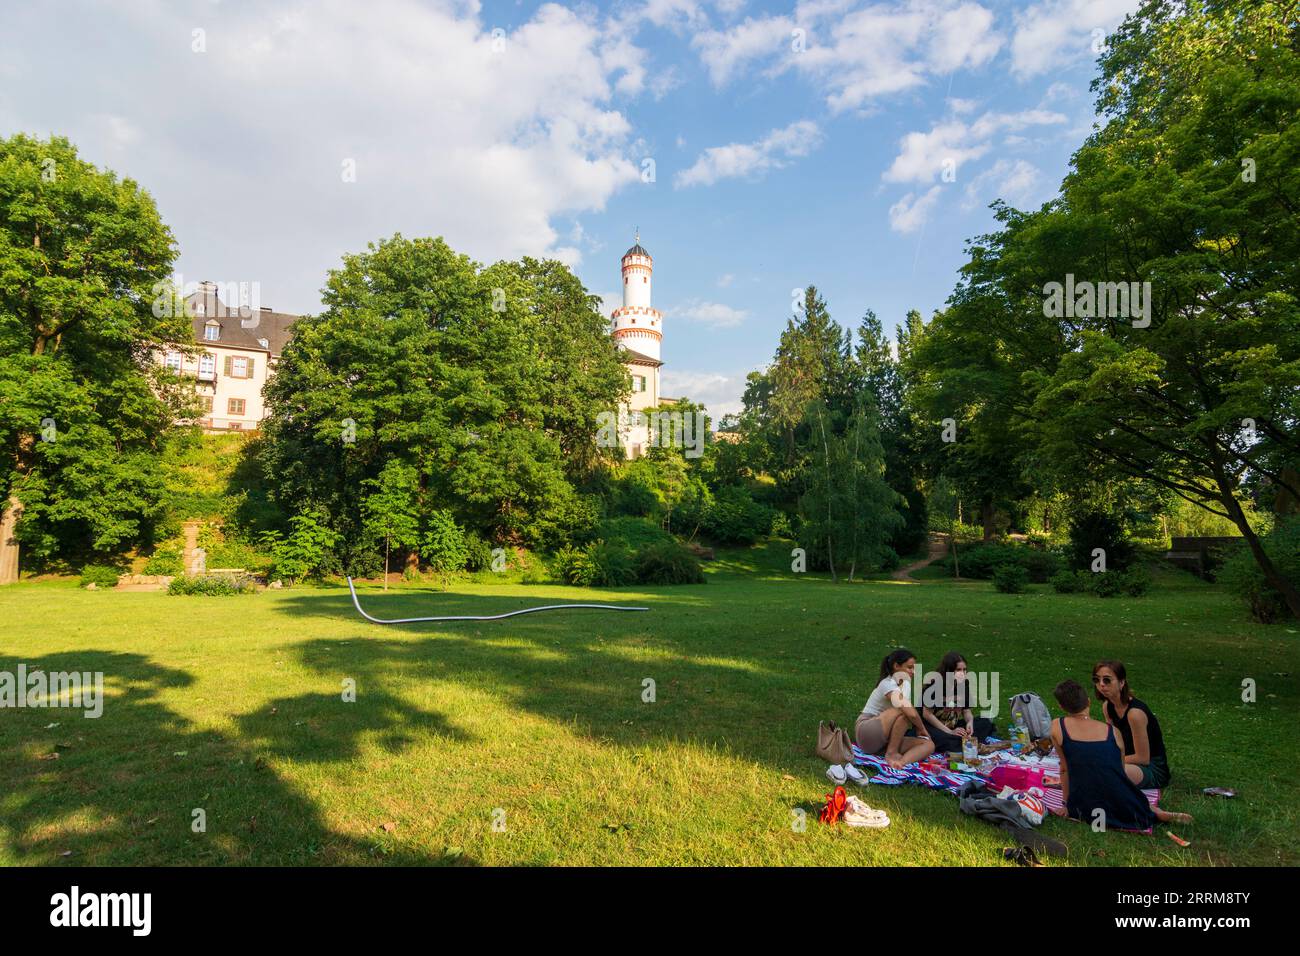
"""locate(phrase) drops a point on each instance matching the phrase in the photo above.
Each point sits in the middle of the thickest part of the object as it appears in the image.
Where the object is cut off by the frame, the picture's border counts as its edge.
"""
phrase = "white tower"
(637, 326)
(638, 332)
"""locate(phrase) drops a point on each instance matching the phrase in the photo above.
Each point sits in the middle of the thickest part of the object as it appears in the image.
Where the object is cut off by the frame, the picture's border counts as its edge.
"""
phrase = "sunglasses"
(1103, 680)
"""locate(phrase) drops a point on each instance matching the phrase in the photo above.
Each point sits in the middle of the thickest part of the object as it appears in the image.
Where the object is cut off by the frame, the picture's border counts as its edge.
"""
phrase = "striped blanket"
(950, 780)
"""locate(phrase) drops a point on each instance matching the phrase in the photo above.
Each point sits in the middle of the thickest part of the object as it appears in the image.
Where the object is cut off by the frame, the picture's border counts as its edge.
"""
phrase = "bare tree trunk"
(826, 450)
(385, 562)
(9, 550)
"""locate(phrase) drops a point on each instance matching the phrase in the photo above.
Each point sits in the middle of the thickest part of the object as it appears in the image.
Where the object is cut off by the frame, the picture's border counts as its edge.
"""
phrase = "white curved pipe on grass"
(485, 617)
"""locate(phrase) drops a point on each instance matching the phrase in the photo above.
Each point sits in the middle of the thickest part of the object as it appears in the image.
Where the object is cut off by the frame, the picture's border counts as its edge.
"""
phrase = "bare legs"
(900, 750)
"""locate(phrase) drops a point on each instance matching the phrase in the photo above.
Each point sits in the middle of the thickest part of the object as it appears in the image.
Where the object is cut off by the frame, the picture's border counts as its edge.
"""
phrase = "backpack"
(1029, 711)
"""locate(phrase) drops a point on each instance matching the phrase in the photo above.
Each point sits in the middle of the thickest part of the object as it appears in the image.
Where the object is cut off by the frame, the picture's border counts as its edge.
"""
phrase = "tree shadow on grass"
(584, 668)
(123, 787)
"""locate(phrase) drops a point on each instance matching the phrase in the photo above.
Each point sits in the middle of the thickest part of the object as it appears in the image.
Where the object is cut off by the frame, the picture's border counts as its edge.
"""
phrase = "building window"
(173, 361)
(207, 366)
(212, 331)
(234, 406)
(239, 367)
(205, 403)
(638, 383)
(235, 426)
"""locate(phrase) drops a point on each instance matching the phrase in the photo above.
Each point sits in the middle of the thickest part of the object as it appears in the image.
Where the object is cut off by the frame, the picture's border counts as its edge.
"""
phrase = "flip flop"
(856, 775)
(837, 775)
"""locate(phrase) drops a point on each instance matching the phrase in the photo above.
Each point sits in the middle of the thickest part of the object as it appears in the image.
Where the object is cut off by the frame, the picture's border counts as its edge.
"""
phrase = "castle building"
(638, 332)
(240, 349)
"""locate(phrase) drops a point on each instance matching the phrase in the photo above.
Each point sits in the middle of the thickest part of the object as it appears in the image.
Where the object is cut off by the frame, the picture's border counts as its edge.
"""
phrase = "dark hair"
(950, 662)
(1071, 696)
(938, 679)
(892, 661)
(1116, 667)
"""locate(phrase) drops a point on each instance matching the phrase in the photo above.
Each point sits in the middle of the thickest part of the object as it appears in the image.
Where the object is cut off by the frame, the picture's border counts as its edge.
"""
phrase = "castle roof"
(637, 250)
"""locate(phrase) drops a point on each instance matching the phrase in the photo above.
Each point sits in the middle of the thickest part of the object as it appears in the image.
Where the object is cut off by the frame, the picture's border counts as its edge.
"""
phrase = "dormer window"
(212, 331)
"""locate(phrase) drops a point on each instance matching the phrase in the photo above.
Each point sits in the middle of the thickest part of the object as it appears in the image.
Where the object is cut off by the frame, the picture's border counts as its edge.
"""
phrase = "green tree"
(488, 382)
(84, 409)
(391, 510)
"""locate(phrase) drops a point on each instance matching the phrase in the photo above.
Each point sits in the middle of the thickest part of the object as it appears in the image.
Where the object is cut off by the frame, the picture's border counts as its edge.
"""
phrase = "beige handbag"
(833, 744)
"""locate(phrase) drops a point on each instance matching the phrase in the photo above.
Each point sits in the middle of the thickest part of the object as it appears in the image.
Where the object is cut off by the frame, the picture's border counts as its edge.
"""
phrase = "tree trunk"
(8, 543)
(385, 562)
(1284, 587)
(988, 514)
(830, 534)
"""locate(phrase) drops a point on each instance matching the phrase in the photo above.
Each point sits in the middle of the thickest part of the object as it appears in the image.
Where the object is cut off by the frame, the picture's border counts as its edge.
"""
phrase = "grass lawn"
(234, 705)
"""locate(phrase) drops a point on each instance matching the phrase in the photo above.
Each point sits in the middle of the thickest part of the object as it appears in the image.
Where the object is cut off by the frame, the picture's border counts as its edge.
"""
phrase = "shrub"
(212, 585)
(443, 544)
(781, 526)
(667, 563)
(599, 564)
(1105, 583)
(1136, 581)
(1243, 578)
(163, 561)
(100, 575)
(478, 552)
(735, 517)
(309, 545)
(1010, 578)
(982, 560)
(636, 533)
(1090, 530)
(1069, 582)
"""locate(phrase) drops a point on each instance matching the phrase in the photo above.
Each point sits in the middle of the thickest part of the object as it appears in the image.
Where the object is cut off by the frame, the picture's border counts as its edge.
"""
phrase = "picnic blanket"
(951, 781)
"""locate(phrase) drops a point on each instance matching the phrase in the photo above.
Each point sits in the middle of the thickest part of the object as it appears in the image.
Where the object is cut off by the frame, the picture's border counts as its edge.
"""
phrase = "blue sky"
(790, 143)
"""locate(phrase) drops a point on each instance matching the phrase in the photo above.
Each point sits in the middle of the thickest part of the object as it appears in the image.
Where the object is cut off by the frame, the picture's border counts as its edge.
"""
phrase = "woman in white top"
(884, 720)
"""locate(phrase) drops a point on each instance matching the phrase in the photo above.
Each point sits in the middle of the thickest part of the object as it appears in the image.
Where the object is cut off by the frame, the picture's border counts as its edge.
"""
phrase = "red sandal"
(835, 806)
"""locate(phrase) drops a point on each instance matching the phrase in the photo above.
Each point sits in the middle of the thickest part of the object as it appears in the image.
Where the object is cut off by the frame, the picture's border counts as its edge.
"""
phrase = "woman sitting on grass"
(1092, 770)
(888, 712)
(1145, 761)
(945, 705)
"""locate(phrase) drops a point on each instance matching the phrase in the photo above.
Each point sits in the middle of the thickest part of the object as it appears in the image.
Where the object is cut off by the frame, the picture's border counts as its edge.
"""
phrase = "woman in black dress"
(1145, 760)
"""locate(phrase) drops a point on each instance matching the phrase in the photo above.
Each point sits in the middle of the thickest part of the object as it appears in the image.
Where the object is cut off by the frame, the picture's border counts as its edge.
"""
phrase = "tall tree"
(1191, 185)
(487, 382)
(84, 257)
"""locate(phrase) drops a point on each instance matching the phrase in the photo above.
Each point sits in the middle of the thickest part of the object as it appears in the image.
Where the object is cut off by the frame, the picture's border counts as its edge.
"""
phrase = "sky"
(759, 147)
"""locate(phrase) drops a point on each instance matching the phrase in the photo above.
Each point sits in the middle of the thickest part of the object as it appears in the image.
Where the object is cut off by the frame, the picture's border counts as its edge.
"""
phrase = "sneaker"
(858, 814)
(856, 775)
(837, 775)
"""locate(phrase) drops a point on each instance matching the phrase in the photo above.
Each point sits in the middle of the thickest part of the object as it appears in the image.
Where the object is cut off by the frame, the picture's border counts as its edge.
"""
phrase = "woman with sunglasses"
(1145, 761)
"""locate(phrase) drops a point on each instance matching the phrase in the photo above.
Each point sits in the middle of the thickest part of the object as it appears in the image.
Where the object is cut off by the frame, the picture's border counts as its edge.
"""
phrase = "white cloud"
(1015, 181)
(491, 148)
(1057, 33)
(922, 156)
(714, 314)
(724, 52)
(725, 280)
(734, 160)
(911, 212)
(857, 55)
(720, 394)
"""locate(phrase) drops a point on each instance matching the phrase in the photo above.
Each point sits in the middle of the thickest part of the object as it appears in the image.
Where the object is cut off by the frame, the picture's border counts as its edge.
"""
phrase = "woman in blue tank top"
(1093, 781)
